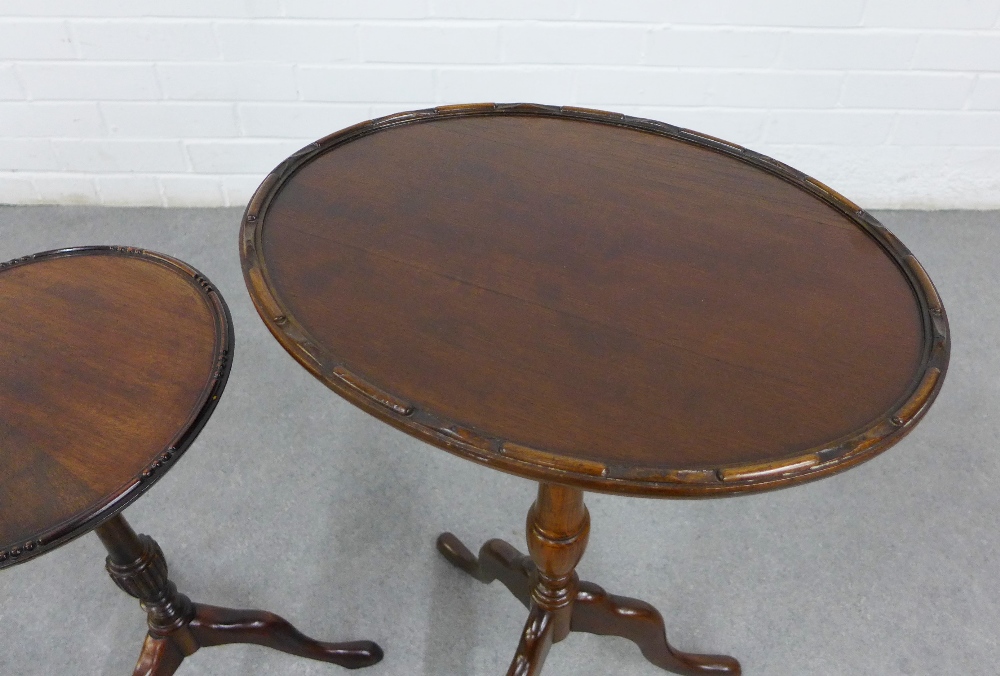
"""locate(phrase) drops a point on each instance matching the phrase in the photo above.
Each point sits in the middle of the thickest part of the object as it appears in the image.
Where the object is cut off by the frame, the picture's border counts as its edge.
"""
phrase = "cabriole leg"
(546, 582)
(178, 627)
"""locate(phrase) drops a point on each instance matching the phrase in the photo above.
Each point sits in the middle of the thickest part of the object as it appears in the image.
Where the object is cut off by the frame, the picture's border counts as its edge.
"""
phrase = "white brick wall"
(896, 103)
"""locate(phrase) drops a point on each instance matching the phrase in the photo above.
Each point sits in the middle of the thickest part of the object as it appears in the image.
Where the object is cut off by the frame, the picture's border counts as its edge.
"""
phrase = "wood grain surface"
(111, 360)
(570, 296)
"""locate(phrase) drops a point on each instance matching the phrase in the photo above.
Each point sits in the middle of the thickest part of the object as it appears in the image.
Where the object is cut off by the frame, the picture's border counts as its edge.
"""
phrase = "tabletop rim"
(85, 520)
(509, 456)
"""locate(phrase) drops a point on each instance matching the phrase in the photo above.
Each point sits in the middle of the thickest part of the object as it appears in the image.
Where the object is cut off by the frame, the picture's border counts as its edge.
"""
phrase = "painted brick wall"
(896, 103)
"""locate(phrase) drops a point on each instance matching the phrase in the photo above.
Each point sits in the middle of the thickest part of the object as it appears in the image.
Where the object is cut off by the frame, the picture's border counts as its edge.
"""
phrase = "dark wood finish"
(595, 300)
(111, 361)
(597, 612)
(558, 602)
(178, 627)
(558, 526)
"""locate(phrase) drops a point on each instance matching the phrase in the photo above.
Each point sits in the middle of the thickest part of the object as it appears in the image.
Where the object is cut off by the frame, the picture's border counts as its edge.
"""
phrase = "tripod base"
(211, 626)
(554, 598)
(178, 627)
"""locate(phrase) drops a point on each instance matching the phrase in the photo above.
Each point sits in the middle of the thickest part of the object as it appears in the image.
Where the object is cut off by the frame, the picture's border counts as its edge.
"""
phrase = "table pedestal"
(558, 602)
(178, 627)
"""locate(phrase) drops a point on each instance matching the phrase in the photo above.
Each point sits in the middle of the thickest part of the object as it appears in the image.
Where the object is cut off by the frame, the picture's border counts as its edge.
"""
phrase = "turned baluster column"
(138, 567)
(558, 527)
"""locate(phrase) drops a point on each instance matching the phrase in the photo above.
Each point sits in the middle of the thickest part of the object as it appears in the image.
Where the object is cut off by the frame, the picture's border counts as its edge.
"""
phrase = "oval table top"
(590, 299)
(111, 361)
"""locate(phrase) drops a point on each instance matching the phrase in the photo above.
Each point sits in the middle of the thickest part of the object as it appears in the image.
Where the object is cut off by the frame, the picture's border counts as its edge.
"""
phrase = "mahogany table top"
(111, 361)
(585, 298)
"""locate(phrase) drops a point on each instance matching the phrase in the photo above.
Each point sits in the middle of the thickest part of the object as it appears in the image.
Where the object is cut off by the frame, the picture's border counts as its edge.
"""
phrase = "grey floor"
(294, 501)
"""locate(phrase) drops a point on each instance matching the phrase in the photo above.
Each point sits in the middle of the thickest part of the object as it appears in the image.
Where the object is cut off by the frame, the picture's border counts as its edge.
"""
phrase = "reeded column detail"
(137, 565)
(178, 627)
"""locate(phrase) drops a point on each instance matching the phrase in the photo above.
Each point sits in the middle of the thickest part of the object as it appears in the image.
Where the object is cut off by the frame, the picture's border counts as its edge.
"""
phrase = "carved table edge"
(94, 515)
(543, 465)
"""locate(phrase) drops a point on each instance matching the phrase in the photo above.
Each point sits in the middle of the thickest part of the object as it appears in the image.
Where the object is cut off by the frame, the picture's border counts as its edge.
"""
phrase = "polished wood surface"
(598, 302)
(111, 361)
(178, 627)
(595, 300)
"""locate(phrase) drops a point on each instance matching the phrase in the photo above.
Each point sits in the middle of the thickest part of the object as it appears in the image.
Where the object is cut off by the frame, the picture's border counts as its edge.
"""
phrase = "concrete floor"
(294, 501)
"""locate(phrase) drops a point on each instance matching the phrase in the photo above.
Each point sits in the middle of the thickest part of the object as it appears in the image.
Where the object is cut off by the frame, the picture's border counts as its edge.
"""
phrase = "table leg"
(159, 657)
(546, 582)
(536, 639)
(597, 612)
(178, 627)
(498, 560)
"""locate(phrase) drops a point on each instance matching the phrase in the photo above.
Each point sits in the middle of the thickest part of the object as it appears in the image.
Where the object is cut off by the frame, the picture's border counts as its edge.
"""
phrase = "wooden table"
(112, 359)
(595, 302)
